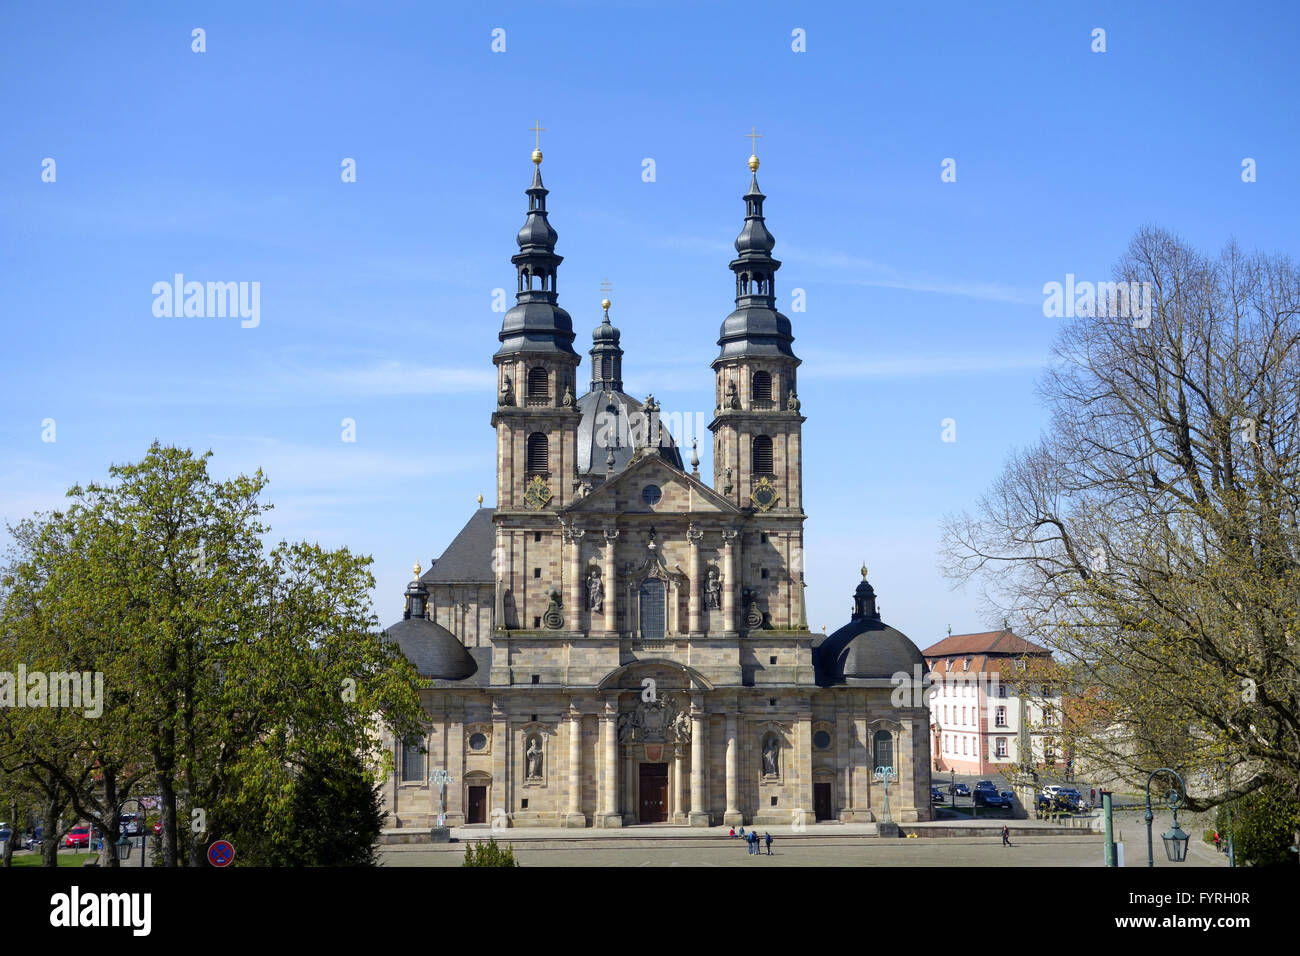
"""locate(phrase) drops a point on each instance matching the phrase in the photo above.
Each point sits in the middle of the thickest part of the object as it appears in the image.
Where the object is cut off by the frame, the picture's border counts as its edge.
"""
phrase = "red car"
(78, 837)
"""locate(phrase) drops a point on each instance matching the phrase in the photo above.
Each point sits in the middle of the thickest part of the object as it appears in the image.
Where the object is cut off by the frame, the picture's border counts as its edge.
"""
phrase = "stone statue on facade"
(733, 395)
(595, 592)
(534, 754)
(507, 393)
(713, 590)
(792, 403)
(770, 747)
(567, 401)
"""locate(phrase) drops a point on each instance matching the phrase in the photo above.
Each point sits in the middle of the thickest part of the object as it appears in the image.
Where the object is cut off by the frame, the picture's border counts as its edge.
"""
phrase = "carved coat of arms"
(655, 721)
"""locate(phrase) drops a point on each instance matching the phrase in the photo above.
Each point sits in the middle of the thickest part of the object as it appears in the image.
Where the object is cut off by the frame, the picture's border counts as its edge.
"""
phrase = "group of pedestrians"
(753, 840)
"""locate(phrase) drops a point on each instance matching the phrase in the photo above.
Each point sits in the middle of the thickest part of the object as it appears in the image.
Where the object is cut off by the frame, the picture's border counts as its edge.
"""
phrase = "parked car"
(1052, 790)
(131, 824)
(35, 838)
(986, 785)
(961, 790)
(1073, 797)
(936, 795)
(1009, 797)
(6, 834)
(77, 837)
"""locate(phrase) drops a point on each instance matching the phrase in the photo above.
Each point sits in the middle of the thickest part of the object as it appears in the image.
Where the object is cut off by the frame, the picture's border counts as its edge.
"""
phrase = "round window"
(477, 741)
(651, 494)
(821, 740)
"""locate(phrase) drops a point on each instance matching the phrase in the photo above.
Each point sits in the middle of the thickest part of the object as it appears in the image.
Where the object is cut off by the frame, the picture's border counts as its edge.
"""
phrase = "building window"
(945, 713)
(965, 664)
(963, 746)
(963, 716)
(412, 760)
(477, 741)
(652, 609)
(1001, 744)
(1049, 717)
(539, 388)
(537, 572)
(762, 457)
(537, 536)
(883, 748)
(763, 573)
(761, 389)
(539, 455)
(821, 740)
(1002, 690)
(1000, 717)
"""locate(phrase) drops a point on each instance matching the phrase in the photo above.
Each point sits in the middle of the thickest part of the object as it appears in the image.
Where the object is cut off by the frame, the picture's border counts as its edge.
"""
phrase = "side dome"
(432, 649)
(866, 648)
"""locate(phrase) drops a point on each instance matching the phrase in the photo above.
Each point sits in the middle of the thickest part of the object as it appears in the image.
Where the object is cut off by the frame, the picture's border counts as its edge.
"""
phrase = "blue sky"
(924, 298)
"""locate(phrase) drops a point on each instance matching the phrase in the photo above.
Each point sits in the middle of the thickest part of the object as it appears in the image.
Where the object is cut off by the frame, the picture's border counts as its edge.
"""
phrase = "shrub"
(489, 854)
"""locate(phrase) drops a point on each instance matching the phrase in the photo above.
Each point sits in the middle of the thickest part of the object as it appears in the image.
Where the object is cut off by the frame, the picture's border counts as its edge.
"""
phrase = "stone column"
(733, 816)
(575, 817)
(680, 786)
(609, 815)
(611, 608)
(729, 548)
(573, 614)
(696, 583)
(502, 796)
(699, 816)
(630, 808)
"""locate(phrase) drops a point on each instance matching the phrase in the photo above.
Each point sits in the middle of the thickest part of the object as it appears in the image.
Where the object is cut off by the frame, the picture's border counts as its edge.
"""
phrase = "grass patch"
(63, 859)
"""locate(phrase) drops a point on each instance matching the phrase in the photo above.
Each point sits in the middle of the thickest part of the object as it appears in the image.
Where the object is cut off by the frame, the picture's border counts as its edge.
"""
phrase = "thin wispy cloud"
(840, 366)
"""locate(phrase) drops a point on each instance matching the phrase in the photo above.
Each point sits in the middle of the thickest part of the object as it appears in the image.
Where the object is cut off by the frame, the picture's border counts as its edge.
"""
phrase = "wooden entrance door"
(822, 801)
(654, 793)
(477, 810)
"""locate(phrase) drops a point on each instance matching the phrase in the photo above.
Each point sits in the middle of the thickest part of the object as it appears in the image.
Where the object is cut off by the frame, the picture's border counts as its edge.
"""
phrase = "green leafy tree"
(1262, 825)
(223, 660)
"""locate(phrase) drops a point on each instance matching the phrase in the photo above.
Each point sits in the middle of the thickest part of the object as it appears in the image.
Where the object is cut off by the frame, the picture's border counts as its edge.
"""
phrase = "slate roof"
(432, 649)
(468, 559)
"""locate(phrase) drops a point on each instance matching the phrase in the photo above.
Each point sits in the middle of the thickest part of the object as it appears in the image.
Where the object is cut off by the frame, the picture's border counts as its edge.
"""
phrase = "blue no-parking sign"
(221, 853)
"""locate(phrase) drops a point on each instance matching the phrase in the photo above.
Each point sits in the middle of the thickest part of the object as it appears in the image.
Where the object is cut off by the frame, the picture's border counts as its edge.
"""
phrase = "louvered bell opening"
(539, 455)
(762, 457)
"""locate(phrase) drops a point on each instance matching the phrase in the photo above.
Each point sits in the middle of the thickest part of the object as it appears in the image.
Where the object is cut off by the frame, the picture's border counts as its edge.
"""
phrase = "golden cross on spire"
(605, 287)
(753, 136)
(537, 130)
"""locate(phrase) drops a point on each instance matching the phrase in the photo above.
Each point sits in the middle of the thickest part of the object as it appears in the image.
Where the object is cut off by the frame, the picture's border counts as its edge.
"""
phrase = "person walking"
(1216, 841)
(1006, 836)
(767, 838)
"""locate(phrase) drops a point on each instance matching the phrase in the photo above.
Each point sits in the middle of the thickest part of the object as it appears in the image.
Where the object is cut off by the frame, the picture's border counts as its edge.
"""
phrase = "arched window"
(412, 760)
(652, 610)
(883, 748)
(539, 455)
(539, 389)
(762, 456)
(761, 389)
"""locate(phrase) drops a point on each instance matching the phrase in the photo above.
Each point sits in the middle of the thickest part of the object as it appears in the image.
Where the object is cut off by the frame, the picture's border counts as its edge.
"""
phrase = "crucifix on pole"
(753, 136)
(882, 776)
(440, 779)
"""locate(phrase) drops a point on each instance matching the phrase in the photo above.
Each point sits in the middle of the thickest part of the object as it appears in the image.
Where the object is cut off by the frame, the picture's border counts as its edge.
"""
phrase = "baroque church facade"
(620, 642)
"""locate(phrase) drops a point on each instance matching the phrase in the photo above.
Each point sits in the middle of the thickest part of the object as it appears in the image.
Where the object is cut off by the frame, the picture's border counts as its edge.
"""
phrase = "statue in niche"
(726, 488)
(507, 393)
(534, 755)
(682, 727)
(713, 589)
(733, 395)
(770, 748)
(595, 592)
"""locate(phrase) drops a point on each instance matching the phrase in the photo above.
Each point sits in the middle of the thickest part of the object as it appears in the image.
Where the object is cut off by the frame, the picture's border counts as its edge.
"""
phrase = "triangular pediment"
(680, 493)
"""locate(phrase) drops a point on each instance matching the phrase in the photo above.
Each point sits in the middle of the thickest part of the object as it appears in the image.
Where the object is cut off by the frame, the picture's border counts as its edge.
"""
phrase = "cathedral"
(619, 642)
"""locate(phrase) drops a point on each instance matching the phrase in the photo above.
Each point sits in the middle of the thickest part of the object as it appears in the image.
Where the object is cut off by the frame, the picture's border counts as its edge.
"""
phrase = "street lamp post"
(1175, 839)
(124, 841)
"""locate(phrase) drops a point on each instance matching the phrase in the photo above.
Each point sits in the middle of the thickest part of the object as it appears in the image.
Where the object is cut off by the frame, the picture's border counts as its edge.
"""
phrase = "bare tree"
(1149, 537)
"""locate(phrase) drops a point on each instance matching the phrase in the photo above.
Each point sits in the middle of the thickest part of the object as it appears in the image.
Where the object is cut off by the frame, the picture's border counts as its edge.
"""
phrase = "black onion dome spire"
(536, 323)
(755, 329)
(606, 355)
(866, 648)
(430, 647)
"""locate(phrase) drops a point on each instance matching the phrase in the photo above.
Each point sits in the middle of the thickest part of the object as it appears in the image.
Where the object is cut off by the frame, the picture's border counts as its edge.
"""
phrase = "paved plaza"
(677, 846)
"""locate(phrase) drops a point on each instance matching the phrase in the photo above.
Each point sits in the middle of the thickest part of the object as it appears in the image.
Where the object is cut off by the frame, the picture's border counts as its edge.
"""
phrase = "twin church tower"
(618, 642)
